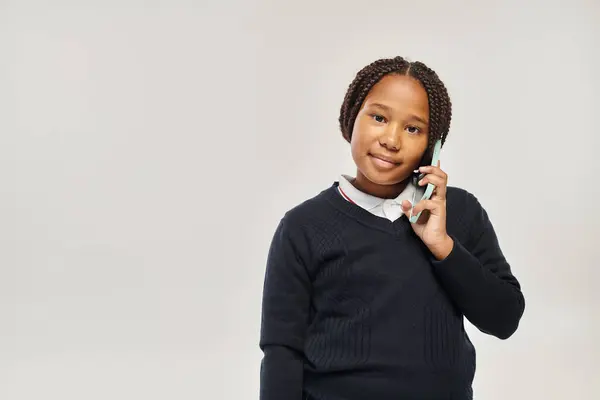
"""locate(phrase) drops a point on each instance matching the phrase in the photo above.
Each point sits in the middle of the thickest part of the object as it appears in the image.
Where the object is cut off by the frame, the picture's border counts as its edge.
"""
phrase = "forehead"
(400, 92)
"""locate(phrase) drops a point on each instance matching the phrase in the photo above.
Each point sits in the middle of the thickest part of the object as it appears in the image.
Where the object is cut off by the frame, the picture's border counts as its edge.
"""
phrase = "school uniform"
(355, 307)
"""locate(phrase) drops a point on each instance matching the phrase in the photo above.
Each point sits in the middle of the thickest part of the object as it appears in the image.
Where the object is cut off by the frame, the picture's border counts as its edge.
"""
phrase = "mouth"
(384, 161)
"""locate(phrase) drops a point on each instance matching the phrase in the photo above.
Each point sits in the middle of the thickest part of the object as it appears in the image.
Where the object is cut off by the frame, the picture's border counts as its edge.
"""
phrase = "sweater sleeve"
(478, 278)
(285, 314)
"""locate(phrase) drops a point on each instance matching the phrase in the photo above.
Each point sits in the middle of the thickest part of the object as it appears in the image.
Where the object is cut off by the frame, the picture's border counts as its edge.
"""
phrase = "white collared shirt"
(385, 208)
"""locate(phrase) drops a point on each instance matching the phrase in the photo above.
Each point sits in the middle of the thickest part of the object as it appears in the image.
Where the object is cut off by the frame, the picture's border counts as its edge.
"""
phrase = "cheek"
(416, 155)
(355, 146)
(363, 136)
(359, 144)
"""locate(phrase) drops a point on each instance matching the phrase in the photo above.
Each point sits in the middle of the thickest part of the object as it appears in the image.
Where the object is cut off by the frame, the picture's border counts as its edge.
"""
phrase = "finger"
(439, 183)
(430, 173)
(430, 169)
(434, 179)
(435, 207)
(406, 206)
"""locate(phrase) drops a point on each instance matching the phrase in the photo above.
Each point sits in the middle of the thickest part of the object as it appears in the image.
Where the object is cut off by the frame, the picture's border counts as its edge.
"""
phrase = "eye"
(413, 130)
(378, 118)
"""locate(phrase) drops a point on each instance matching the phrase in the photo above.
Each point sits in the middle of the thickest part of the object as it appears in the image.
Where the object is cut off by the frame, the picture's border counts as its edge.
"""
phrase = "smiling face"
(390, 135)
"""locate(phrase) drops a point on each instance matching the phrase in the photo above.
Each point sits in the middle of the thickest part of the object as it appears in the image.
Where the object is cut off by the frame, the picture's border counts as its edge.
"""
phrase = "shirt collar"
(367, 201)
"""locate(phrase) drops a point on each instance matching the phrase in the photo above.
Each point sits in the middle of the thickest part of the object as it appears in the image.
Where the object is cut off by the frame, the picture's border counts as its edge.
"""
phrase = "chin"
(383, 179)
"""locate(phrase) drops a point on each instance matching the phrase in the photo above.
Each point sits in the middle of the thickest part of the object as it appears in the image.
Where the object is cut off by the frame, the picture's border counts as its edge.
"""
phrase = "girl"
(360, 303)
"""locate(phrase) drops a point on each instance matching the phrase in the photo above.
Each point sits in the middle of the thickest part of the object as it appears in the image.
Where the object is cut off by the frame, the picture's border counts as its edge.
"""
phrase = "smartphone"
(425, 192)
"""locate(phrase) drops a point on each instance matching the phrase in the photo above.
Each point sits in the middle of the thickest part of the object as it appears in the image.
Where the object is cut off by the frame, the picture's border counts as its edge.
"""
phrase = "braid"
(440, 106)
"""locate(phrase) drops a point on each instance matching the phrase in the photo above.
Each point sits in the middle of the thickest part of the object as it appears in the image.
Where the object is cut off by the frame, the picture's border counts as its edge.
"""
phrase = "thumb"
(406, 207)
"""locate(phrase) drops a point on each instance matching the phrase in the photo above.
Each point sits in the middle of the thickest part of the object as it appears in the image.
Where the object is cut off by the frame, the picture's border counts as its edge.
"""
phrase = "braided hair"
(440, 106)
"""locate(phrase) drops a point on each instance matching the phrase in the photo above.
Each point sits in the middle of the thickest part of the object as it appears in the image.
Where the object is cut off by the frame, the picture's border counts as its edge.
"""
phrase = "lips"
(385, 159)
(383, 163)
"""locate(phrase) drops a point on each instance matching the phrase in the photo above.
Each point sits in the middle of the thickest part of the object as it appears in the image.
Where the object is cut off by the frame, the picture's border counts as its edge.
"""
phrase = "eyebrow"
(389, 109)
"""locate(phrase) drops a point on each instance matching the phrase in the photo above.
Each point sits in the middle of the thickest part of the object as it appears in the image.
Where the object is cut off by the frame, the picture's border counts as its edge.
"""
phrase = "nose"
(390, 140)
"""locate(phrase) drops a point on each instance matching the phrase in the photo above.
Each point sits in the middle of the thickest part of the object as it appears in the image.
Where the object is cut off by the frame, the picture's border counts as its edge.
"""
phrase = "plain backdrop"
(148, 149)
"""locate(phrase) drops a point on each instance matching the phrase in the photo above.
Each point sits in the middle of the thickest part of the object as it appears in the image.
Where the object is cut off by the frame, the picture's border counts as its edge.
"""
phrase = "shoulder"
(301, 228)
(466, 216)
(464, 211)
(301, 220)
(310, 211)
(315, 222)
(457, 198)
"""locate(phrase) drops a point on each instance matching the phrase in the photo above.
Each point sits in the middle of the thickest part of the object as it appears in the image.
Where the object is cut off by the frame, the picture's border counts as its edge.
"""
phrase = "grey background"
(148, 150)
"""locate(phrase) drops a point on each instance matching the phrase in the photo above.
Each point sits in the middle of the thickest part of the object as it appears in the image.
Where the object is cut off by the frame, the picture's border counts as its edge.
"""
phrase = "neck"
(382, 191)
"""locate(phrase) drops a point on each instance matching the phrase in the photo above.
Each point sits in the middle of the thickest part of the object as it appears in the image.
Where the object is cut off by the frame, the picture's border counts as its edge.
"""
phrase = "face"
(390, 135)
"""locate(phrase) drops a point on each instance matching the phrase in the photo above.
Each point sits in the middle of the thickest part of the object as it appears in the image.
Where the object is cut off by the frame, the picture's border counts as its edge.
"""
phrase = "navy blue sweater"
(356, 307)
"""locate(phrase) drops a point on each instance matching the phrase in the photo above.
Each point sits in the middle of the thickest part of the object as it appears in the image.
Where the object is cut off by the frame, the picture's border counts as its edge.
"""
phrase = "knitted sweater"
(356, 307)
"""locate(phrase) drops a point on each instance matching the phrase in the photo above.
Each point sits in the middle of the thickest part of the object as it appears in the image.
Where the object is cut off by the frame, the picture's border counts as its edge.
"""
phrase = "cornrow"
(440, 106)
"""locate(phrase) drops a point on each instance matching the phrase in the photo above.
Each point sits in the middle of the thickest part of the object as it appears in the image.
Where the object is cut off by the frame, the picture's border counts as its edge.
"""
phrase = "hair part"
(440, 106)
